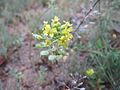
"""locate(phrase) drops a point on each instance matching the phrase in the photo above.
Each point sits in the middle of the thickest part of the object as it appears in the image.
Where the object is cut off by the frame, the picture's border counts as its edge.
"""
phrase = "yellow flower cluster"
(90, 72)
(57, 32)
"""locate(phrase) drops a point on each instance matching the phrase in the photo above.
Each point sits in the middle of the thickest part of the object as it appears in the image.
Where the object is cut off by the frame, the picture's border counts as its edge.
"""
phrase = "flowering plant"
(90, 72)
(54, 36)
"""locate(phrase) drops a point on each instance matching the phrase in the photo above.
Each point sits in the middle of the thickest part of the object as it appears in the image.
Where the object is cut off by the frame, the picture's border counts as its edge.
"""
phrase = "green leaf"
(44, 53)
(38, 45)
(99, 43)
(37, 36)
(52, 57)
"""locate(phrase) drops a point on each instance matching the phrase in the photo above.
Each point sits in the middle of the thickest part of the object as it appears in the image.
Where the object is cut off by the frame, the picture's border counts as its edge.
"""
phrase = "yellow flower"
(55, 32)
(90, 72)
(49, 31)
(67, 33)
(47, 42)
(67, 23)
(64, 31)
(67, 30)
(55, 20)
(52, 32)
(69, 36)
(63, 41)
(57, 24)
(70, 29)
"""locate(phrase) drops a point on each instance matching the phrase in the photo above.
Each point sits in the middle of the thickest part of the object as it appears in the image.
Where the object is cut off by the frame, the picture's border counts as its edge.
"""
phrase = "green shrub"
(10, 8)
(6, 39)
(104, 59)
